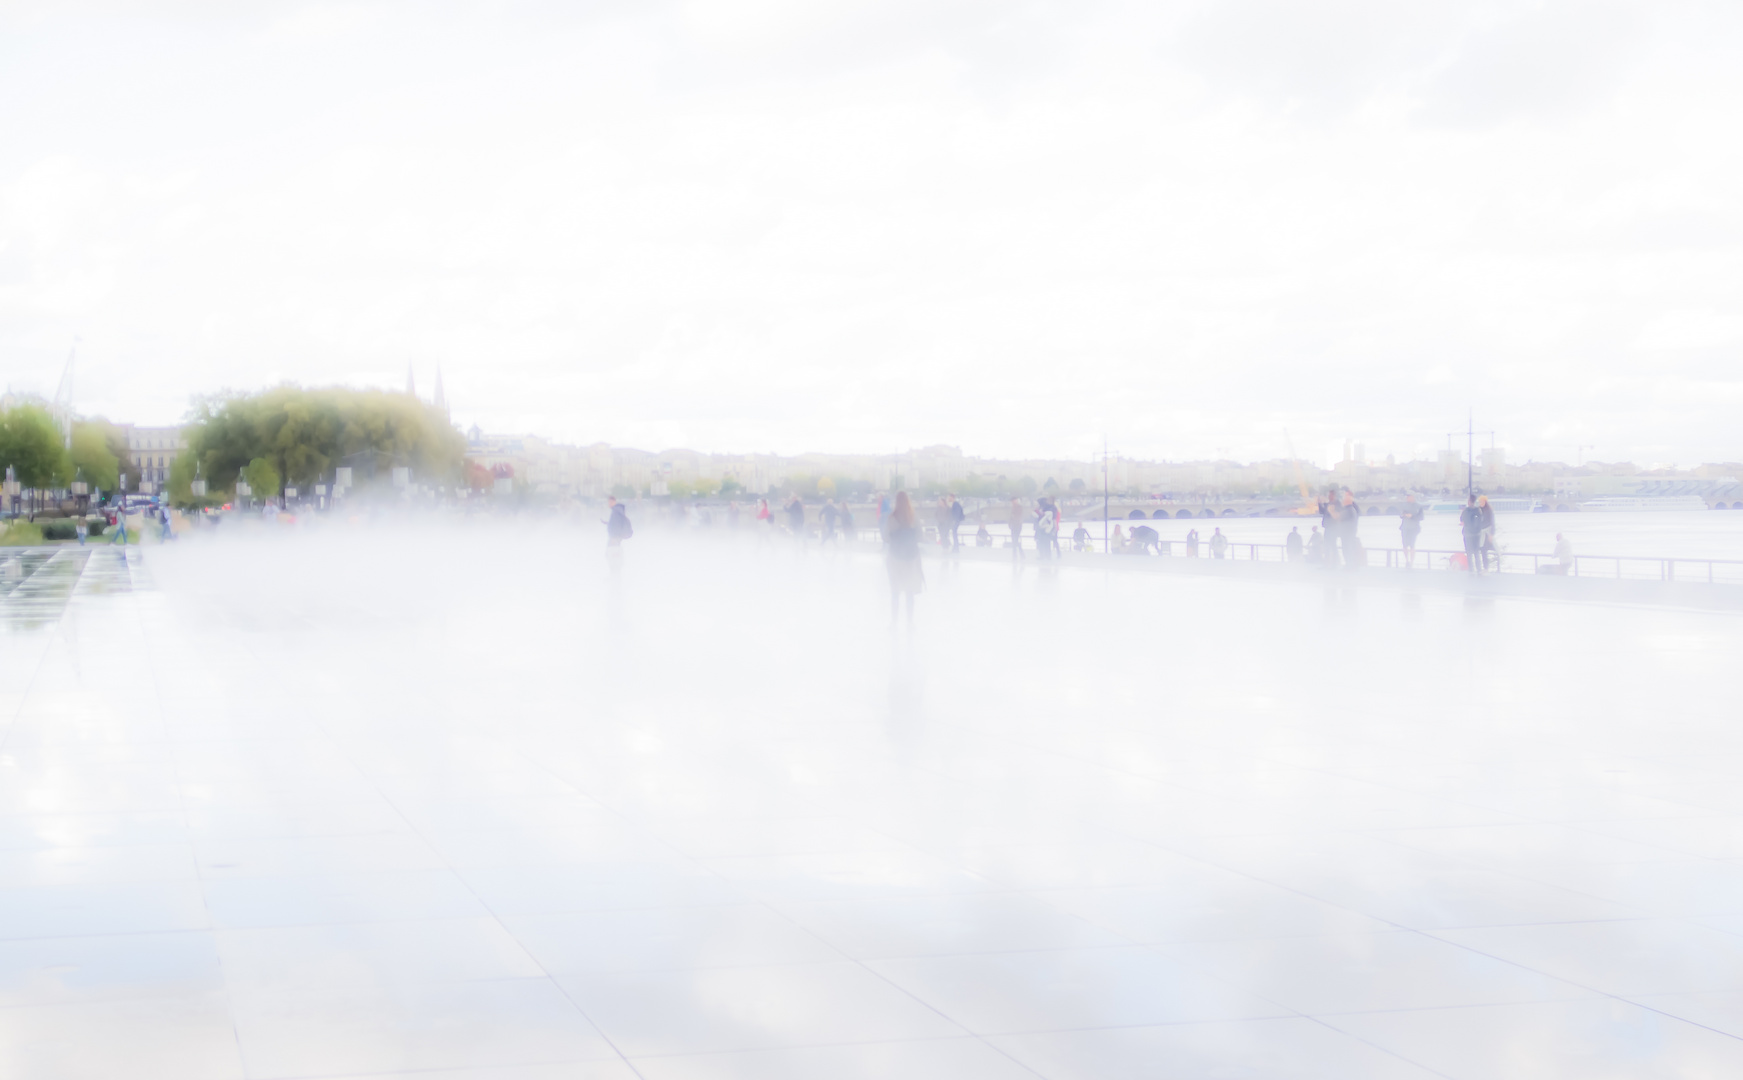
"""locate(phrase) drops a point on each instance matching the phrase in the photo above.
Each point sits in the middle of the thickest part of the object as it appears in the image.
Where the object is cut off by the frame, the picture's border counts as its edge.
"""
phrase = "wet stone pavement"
(465, 807)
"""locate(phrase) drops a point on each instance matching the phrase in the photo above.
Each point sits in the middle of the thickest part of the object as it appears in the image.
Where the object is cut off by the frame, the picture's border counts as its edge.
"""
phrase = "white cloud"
(868, 226)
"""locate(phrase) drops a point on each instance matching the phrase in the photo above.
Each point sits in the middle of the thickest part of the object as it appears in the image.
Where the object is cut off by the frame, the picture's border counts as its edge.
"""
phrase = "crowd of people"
(1333, 542)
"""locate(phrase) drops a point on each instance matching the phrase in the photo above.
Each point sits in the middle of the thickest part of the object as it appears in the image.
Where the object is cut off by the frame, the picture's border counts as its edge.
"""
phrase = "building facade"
(153, 450)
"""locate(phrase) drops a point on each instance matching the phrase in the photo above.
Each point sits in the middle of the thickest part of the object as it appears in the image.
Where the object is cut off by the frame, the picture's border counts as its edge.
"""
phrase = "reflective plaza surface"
(466, 804)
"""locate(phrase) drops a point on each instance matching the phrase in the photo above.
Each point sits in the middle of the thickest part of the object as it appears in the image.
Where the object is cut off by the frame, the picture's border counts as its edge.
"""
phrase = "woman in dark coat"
(903, 556)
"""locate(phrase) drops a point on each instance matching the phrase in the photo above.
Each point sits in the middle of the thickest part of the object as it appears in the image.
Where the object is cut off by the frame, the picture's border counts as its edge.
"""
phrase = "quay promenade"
(399, 804)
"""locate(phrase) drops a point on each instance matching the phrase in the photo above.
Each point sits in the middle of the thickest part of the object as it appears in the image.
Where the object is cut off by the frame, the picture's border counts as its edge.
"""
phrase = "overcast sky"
(787, 225)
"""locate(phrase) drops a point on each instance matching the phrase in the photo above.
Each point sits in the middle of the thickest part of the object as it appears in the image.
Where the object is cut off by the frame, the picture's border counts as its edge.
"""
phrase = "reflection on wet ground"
(36, 583)
(423, 803)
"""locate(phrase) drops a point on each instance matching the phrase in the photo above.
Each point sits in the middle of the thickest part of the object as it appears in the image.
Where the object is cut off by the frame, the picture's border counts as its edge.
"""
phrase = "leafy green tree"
(728, 487)
(262, 478)
(1078, 486)
(1026, 486)
(31, 442)
(306, 433)
(93, 458)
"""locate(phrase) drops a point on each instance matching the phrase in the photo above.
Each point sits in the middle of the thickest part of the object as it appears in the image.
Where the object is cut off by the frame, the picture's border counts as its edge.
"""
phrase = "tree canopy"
(94, 456)
(304, 434)
(31, 443)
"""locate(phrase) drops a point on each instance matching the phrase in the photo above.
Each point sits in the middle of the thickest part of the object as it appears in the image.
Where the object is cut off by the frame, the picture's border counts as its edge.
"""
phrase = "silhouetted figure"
(1016, 523)
(902, 558)
(617, 530)
(1471, 527)
(1219, 544)
(828, 516)
(1487, 543)
(1292, 544)
(1409, 528)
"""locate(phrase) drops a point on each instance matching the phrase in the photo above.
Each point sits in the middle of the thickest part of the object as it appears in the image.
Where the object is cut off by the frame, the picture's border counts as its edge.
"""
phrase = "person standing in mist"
(1292, 544)
(828, 515)
(617, 530)
(903, 556)
(1219, 544)
(1046, 530)
(1471, 526)
(1486, 545)
(1016, 522)
(1349, 517)
(956, 516)
(1409, 528)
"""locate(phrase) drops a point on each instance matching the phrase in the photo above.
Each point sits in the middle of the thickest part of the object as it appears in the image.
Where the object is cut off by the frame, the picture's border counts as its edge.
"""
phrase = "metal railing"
(1625, 567)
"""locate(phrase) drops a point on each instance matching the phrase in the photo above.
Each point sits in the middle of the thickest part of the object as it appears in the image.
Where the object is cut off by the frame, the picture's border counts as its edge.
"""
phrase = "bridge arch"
(1184, 513)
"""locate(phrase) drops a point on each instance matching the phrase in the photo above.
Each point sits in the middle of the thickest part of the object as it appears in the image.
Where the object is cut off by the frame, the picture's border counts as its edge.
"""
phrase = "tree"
(93, 458)
(262, 478)
(306, 433)
(729, 486)
(31, 443)
(1078, 486)
(826, 487)
(704, 487)
(1026, 486)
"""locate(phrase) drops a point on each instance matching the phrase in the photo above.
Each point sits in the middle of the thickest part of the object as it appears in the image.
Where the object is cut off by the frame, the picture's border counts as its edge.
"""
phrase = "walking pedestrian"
(1409, 528)
(1192, 543)
(1292, 544)
(902, 559)
(796, 519)
(941, 521)
(1016, 523)
(956, 515)
(1315, 546)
